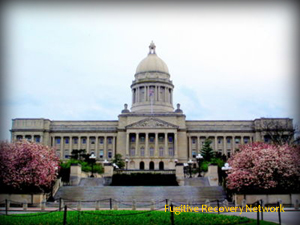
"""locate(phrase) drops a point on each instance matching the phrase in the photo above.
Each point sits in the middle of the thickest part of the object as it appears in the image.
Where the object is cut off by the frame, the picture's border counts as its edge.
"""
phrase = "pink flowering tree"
(261, 167)
(27, 166)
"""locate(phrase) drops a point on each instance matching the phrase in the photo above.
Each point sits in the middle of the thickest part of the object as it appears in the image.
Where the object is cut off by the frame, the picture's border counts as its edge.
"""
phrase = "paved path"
(287, 218)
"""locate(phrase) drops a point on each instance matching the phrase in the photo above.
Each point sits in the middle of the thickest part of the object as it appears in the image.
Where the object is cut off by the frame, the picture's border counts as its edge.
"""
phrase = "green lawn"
(124, 217)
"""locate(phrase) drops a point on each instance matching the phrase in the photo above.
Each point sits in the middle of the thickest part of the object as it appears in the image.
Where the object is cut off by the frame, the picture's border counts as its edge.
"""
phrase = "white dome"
(152, 63)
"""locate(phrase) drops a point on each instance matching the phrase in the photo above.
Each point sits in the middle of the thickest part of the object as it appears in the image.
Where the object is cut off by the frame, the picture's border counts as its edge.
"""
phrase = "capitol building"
(152, 134)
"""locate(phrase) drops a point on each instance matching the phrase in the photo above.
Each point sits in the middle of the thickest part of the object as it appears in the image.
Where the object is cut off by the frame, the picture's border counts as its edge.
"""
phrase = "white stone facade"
(152, 135)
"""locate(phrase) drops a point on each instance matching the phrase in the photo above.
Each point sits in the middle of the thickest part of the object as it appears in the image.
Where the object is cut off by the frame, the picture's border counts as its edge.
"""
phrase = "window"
(101, 140)
(66, 154)
(92, 153)
(142, 151)
(28, 137)
(101, 154)
(67, 140)
(228, 141)
(161, 151)
(266, 139)
(83, 140)
(57, 140)
(75, 140)
(228, 153)
(194, 154)
(171, 152)
(170, 139)
(246, 140)
(151, 151)
(92, 141)
(109, 140)
(219, 140)
(237, 141)
(109, 154)
(220, 151)
(37, 139)
(142, 139)
(194, 140)
(132, 138)
(132, 152)
(19, 137)
(151, 138)
(58, 154)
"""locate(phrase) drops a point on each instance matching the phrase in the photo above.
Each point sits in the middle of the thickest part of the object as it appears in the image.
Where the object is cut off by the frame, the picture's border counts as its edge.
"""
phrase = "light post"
(190, 162)
(199, 157)
(92, 160)
(126, 161)
(225, 168)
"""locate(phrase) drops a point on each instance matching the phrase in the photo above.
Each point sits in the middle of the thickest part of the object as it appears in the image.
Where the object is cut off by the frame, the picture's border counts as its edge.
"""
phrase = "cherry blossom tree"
(27, 165)
(260, 166)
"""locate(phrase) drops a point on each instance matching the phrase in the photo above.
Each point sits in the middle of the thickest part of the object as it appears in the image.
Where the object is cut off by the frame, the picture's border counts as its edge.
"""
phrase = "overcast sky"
(77, 61)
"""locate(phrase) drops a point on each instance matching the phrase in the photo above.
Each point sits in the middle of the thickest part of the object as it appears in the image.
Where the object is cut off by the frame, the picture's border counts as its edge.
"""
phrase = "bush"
(85, 167)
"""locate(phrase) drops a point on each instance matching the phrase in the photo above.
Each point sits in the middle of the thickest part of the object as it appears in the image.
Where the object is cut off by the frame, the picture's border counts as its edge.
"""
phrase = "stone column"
(175, 145)
(156, 144)
(105, 146)
(70, 144)
(233, 144)
(224, 145)
(166, 144)
(190, 146)
(79, 142)
(137, 136)
(198, 144)
(127, 144)
(147, 144)
(216, 144)
(113, 146)
(61, 144)
(88, 144)
(138, 94)
(96, 146)
(166, 94)
(145, 96)
(132, 91)
(158, 98)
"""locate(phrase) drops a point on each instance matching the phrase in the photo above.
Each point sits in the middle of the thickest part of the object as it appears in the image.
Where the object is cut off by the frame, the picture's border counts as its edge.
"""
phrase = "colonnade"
(103, 147)
(224, 144)
(160, 94)
(151, 144)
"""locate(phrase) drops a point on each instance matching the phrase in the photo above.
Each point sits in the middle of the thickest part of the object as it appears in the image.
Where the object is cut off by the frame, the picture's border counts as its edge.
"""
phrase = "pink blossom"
(264, 166)
(27, 164)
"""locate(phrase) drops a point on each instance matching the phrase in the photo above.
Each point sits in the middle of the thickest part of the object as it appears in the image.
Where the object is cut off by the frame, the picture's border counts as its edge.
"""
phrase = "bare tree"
(279, 132)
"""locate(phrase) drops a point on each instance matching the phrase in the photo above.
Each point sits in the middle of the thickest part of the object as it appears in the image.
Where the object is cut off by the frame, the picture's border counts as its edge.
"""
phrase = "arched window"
(151, 165)
(161, 165)
(142, 165)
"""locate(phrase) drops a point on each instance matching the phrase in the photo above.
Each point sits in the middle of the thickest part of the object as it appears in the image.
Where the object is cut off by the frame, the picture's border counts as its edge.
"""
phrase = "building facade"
(151, 135)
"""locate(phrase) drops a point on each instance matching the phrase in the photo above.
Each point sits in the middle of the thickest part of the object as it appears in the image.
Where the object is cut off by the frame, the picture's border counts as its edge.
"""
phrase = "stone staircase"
(93, 189)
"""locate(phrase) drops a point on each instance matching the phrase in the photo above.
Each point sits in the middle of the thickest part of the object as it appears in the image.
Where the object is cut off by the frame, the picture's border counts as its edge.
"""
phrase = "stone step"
(140, 193)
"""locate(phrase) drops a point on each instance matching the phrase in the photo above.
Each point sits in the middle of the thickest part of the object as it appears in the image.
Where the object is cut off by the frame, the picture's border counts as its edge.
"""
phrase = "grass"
(124, 217)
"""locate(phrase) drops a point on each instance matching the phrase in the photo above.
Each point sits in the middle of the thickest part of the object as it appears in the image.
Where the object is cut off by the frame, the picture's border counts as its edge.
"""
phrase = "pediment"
(151, 123)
